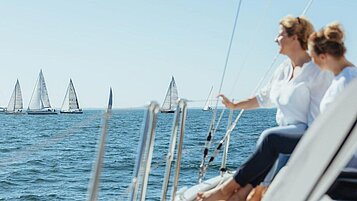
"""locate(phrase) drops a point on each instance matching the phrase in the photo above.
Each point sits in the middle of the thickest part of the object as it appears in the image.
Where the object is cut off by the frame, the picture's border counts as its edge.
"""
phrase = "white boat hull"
(14, 112)
(72, 112)
(42, 112)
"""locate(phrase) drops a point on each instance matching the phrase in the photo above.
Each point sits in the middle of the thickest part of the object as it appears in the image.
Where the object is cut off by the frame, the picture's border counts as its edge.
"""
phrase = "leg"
(261, 161)
(221, 193)
(257, 193)
(280, 163)
(241, 193)
(291, 129)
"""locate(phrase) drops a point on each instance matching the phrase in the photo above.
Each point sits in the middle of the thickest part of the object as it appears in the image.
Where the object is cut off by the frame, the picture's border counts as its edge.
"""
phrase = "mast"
(15, 94)
(171, 89)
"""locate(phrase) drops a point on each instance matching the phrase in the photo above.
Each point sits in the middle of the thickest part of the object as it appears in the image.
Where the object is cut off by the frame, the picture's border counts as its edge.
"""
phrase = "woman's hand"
(226, 102)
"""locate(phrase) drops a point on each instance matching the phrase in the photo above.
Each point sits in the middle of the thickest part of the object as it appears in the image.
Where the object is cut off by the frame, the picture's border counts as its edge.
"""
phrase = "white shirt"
(338, 84)
(297, 99)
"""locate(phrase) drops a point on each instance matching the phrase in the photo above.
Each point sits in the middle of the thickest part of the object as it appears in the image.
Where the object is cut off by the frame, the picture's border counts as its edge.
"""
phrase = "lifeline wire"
(209, 136)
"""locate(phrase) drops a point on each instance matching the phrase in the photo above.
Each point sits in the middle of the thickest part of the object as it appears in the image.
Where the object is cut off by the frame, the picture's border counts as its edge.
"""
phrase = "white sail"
(15, 104)
(208, 101)
(70, 103)
(170, 101)
(39, 100)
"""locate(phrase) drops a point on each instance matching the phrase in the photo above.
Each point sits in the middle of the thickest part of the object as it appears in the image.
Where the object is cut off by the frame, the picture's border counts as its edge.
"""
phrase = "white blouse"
(338, 84)
(335, 89)
(297, 99)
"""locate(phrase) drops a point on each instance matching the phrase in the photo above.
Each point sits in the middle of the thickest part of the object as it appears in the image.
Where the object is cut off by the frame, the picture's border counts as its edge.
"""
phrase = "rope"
(210, 131)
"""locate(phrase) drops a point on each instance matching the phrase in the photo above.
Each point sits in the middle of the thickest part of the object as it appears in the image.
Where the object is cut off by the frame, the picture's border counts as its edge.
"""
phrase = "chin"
(281, 51)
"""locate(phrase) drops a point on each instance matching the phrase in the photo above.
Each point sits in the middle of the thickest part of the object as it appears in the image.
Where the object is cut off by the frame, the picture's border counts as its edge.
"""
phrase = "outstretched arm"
(247, 104)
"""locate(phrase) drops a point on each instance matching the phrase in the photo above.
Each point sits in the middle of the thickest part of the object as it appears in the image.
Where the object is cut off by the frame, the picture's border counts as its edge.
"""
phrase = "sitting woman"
(296, 89)
(328, 52)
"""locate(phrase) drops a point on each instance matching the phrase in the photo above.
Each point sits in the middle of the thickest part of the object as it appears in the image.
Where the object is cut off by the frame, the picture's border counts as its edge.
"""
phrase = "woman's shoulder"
(347, 74)
(312, 67)
(283, 70)
(350, 71)
(284, 66)
(310, 70)
(315, 76)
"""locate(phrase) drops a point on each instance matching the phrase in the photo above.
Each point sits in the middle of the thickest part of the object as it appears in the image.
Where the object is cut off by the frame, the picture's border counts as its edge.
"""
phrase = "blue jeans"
(283, 158)
(273, 141)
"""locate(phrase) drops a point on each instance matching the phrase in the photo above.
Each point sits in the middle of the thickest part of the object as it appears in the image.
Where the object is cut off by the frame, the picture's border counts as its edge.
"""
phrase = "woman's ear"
(322, 57)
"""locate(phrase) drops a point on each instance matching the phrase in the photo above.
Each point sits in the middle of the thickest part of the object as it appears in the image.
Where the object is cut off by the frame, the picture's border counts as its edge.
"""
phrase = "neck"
(337, 65)
(299, 57)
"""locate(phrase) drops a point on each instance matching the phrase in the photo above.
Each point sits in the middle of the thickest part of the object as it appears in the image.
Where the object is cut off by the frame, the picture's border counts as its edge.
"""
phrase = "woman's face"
(283, 40)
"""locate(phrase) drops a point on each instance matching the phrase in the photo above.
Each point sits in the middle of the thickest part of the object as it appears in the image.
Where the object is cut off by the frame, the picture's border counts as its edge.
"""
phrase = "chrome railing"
(145, 150)
(94, 183)
(181, 114)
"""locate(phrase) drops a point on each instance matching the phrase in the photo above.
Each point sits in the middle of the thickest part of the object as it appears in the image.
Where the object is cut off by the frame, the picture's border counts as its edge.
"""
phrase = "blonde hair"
(329, 39)
(299, 26)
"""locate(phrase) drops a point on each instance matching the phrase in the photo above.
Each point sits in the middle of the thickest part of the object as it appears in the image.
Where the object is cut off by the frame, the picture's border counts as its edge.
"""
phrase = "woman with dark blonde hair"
(327, 50)
(296, 90)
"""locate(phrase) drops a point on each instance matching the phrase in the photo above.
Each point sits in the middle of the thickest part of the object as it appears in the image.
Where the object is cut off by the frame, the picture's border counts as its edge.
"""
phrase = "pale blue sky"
(135, 46)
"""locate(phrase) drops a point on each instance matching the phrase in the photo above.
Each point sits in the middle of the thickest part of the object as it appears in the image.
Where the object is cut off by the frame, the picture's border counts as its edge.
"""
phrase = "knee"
(271, 138)
(264, 135)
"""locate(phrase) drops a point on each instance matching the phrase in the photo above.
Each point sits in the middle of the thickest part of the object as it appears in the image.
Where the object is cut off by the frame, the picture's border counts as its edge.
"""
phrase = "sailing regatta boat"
(70, 103)
(40, 103)
(171, 98)
(15, 105)
(207, 106)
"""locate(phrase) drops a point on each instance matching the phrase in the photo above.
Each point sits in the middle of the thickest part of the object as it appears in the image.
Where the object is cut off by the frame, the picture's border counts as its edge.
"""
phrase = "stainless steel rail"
(181, 112)
(94, 184)
(145, 150)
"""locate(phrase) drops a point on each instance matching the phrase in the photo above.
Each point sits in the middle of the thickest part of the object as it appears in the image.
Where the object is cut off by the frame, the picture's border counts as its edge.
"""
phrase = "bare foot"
(203, 195)
(257, 194)
(223, 192)
(241, 194)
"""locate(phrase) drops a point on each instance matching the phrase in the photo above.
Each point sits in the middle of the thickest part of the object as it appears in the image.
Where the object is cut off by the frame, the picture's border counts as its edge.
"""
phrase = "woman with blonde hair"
(296, 90)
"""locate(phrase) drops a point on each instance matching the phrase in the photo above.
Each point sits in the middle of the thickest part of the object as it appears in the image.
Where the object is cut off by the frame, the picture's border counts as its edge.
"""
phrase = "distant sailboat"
(207, 106)
(171, 98)
(70, 103)
(15, 105)
(40, 103)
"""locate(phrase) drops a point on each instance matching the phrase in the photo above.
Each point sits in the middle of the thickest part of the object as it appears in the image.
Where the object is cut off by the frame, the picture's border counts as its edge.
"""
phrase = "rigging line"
(202, 175)
(257, 30)
(233, 125)
(199, 100)
(230, 47)
(230, 129)
(209, 136)
(307, 7)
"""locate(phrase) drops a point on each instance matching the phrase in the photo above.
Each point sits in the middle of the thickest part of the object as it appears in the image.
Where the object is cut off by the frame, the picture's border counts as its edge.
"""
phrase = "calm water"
(51, 157)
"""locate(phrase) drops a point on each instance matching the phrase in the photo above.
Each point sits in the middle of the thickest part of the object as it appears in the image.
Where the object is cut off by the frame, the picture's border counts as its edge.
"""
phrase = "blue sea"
(51, 157)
